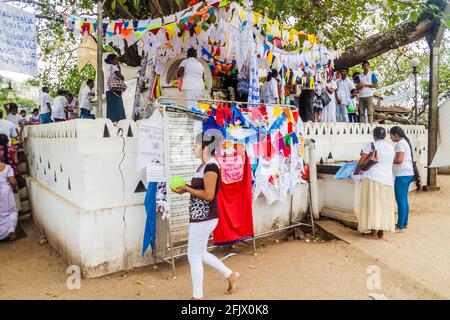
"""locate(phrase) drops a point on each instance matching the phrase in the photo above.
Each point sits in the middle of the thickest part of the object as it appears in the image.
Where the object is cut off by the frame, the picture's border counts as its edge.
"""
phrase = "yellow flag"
(277, 111)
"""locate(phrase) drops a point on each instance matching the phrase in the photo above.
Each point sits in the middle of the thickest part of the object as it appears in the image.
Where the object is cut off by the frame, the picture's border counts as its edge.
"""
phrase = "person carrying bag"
(115, 110)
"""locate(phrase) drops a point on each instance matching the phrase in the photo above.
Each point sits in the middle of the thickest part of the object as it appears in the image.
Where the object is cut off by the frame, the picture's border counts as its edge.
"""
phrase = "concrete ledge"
(347, 218)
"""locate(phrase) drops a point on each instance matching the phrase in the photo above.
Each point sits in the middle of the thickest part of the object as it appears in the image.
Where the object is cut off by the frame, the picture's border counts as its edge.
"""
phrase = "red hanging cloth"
(234, 202)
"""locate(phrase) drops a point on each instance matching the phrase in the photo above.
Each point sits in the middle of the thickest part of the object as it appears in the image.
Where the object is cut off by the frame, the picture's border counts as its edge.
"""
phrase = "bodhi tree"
(364, 28)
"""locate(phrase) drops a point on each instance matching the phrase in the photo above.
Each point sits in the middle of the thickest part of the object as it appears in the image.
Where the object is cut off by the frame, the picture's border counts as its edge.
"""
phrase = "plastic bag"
(346, 171)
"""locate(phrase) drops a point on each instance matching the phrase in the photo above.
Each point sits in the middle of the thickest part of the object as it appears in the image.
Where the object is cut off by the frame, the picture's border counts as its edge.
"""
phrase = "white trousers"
(199, 233)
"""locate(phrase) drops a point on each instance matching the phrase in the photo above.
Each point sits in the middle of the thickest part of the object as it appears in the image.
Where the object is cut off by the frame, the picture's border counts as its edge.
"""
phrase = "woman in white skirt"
(377, 207)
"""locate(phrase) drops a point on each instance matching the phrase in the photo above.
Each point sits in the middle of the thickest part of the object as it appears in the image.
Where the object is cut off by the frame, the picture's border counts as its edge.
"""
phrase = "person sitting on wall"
(23, 119)
(34, 117)
(192, 73)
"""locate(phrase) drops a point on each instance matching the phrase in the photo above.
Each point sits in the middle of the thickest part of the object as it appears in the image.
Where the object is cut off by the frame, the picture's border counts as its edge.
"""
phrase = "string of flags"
(212, 23)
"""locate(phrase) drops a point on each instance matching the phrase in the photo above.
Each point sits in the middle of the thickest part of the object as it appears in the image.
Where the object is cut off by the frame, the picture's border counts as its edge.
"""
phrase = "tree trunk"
(403, 34)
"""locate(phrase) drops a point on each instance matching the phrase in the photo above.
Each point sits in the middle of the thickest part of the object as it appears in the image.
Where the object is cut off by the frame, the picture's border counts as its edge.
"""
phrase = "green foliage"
(343, 22)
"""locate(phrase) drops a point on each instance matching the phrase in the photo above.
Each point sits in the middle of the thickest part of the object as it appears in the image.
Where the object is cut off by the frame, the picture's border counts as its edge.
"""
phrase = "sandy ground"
(413, 265)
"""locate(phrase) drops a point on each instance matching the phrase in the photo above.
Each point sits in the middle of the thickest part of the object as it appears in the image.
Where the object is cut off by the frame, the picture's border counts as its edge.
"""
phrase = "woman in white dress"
(8, 211)
(191, 72)
(329, 111)
(377, 207)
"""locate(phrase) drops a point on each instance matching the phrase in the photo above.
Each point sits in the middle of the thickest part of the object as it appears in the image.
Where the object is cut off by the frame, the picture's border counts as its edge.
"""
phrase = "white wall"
(98, 223)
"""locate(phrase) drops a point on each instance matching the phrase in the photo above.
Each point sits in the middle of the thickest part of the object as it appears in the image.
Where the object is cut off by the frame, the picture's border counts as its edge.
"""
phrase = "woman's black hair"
(4, 140)
(274, 73)
(398, 131)
(379, 133)
(207, 141)
(12, 106)
(110, 58)
(192, 53)
(269, 76)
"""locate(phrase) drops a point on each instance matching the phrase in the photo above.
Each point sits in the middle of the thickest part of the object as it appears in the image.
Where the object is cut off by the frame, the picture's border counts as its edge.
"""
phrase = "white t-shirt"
(193, 74)
(406, 167)
(23, 120)
(270, 91)
(331, 85)
(59, 104)
(382, 171)
(44, 98)
(344, 88)
(85, 104)
(73, 105)
(8, 128)
(13, 118)
(369, 78)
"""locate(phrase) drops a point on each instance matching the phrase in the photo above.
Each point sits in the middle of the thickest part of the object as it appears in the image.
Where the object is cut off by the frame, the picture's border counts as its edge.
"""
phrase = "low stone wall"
(83, 188)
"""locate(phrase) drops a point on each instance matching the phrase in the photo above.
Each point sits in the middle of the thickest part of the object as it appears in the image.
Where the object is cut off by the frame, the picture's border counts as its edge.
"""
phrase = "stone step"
(347, 218)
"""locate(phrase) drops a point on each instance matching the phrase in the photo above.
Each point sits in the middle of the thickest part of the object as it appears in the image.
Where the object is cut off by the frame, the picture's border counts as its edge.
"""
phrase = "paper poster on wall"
(182, 129)
(151, 147)
(18, 42)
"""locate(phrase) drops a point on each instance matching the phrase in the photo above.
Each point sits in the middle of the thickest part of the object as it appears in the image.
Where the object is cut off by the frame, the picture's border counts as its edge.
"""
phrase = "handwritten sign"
(232, 169)
(18, 42)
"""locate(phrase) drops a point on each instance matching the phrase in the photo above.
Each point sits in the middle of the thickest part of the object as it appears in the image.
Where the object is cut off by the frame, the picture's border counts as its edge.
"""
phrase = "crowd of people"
(65, 106)
(340, 99)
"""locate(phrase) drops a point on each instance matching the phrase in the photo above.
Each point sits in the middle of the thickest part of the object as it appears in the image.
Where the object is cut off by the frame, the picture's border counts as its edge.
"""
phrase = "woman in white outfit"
(204, 216)
(329, 111)
(191, 72)
(376, 212)
(8, 211)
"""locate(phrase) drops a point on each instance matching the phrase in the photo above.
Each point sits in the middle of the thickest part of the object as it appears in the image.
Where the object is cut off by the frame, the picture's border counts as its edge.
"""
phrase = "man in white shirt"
(343, 96)
(85, 106)
(60, 105)
(368, 82)
(45, 106)
(192, 72)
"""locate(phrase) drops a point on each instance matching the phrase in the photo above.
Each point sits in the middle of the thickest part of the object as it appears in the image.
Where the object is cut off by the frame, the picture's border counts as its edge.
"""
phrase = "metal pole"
(100, 57)
(416, 106)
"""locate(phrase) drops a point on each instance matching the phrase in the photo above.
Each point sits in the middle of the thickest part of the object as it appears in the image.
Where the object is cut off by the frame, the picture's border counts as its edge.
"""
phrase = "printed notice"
(18, 42)
(182, 129)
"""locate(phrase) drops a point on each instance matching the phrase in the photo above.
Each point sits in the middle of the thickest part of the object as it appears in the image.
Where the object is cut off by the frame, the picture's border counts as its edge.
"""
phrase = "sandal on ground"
(12, 236)
(398, 230)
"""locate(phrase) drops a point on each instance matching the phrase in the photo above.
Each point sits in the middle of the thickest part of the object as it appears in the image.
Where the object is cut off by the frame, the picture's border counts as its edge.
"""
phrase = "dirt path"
(290, 269)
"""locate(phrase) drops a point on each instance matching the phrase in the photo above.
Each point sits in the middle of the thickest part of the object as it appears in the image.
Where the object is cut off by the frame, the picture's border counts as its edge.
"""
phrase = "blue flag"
(150, 224)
